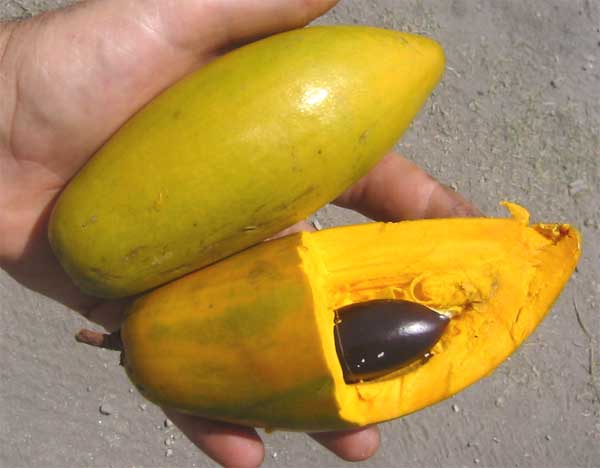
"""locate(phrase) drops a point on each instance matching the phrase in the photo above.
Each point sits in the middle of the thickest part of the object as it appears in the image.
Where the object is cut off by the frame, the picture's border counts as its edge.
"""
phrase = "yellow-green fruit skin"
(237, 151)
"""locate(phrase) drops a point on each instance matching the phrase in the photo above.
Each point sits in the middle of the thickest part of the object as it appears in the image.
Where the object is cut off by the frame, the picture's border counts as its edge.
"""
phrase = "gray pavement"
(517, 117)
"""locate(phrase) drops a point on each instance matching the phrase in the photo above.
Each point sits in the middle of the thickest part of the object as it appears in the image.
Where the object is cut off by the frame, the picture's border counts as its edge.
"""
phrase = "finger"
(354, 445)
(398, 189)
(227, 444)
(234, 22)
(82, 71)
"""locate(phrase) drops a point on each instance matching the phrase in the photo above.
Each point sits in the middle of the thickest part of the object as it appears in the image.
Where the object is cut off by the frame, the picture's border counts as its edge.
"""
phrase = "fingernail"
(461, 208)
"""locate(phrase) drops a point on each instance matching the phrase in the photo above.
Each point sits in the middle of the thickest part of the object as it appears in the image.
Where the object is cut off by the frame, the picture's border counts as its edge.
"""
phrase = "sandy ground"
(517, 117)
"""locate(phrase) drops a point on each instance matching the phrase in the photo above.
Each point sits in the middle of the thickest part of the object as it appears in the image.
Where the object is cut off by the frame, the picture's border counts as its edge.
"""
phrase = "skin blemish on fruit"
(90, 220)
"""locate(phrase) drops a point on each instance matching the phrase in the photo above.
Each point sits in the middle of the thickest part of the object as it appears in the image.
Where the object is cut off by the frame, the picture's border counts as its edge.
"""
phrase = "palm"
(71, 79)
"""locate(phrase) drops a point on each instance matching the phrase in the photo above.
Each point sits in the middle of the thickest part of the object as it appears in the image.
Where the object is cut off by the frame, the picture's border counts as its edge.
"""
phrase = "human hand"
(70, 78)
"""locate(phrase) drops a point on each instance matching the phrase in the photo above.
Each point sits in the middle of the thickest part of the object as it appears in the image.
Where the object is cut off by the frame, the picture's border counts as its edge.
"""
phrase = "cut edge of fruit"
(354, 399)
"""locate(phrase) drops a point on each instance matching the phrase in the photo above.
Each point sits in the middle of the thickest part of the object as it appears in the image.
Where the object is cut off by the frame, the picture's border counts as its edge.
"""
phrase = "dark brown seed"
(377, 337)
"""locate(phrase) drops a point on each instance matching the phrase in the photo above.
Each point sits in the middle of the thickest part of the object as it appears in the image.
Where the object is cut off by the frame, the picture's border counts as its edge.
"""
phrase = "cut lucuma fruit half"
(251, 340)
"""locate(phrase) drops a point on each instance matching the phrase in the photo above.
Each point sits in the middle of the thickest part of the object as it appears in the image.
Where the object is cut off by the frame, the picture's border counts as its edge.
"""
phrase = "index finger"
(397, 189)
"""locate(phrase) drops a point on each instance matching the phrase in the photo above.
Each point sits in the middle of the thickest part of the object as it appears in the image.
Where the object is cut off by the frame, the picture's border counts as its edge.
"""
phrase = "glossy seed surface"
(377, 337)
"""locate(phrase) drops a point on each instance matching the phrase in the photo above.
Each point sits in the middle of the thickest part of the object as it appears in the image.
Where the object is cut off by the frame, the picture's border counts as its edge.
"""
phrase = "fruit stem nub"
(100, 340)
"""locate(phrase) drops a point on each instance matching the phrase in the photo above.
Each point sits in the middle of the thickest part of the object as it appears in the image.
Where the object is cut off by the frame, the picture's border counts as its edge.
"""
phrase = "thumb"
(82, 71)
